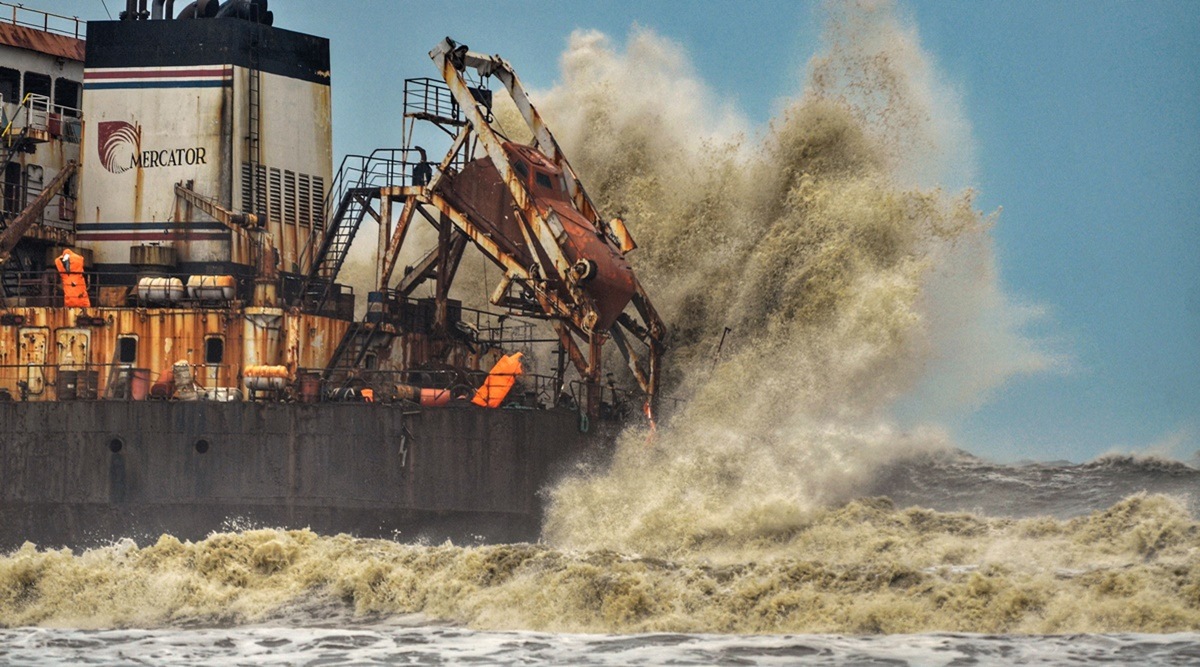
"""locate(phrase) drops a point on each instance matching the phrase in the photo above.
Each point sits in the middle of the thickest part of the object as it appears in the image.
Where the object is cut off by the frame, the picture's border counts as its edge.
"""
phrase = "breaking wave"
(864, 567)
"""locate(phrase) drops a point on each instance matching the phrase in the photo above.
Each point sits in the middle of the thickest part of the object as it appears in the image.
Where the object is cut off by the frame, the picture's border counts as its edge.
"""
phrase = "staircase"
(356, 184)
(15, 143)
(335, 246)
(353, 348)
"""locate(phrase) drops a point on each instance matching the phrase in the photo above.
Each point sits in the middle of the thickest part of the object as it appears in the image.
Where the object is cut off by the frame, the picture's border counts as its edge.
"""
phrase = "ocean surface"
(216, 603)
(379, 645)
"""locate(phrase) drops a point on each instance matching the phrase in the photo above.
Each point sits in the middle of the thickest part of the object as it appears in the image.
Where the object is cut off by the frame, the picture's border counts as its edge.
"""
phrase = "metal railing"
(60, 24)
(125, 381)
(88, 381)
(116, 289)
(43, 289)
(492, 327)
(36, 113)
(59, 214)
(430, 99)
(384, 167)
(530, 390)
(58, 120)
(341, 305)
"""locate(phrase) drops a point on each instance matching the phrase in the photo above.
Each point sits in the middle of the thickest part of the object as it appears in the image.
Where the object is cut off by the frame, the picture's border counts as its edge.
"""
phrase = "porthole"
(115, 445)
(201, 446)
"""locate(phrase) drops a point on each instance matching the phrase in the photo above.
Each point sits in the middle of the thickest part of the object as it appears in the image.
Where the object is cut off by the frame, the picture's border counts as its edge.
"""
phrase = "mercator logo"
(119, 143)
(120, 146)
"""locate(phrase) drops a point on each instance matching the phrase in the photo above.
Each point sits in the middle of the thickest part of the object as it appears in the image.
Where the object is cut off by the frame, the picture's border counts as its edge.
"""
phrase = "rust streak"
(43, 42)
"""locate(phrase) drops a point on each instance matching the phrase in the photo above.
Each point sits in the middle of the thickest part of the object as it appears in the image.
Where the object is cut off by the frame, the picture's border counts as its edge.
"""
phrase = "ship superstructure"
(213, 231)
(227, 113)
(175, 315)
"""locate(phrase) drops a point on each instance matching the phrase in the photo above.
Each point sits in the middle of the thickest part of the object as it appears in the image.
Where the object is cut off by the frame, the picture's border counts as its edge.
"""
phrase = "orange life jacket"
(70, 269)
(499, 381)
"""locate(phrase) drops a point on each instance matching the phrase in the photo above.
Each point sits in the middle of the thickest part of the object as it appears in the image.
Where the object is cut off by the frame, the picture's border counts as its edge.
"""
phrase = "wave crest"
(864, 567)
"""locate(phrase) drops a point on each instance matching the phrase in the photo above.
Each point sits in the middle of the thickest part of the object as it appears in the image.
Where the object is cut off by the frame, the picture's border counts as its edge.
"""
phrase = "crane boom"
(526, 209)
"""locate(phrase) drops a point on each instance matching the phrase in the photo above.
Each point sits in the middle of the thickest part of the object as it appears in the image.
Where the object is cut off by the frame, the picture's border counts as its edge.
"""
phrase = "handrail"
(24, 104)
(39, 111)
(78, 26)
(41, 287)
(113, 381)
(105, 381)
(384, 167)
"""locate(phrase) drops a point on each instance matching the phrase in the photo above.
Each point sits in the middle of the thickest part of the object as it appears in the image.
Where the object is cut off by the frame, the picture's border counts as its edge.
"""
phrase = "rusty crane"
(525, 209)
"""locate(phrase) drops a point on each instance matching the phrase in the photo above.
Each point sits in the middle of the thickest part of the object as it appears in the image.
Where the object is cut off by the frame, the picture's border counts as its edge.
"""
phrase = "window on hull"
(37, 84)
(10, 85)
(127, 349)
(214, 350)
(66, 96)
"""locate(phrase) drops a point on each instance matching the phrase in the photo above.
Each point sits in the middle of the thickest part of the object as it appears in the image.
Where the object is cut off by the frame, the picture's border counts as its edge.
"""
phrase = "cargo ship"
(180, 351)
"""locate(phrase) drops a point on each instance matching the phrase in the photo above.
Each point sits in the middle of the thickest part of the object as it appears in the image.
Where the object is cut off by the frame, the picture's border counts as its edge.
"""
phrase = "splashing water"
(818, 247)
(852, 283)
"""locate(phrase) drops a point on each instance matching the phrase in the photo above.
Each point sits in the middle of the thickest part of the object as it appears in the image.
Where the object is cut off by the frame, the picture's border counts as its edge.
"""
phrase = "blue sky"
(1086, 120)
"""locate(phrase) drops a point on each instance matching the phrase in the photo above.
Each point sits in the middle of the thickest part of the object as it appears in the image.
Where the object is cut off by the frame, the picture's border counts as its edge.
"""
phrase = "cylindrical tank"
(263, 377)
(211, 288)
(435, 398)
(160, 290)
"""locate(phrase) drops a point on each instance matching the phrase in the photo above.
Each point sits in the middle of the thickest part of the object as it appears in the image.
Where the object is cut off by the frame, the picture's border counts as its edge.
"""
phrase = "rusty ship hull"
(87, 473)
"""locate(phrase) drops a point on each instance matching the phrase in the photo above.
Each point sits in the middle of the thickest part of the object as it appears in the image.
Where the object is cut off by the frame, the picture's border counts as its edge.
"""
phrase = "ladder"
(258, 199)
(14, 144)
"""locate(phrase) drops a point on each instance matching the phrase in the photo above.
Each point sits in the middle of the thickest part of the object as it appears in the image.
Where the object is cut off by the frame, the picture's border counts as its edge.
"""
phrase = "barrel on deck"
(66, 385)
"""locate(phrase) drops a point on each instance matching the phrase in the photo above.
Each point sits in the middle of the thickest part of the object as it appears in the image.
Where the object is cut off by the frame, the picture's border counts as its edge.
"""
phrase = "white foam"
(388, 644)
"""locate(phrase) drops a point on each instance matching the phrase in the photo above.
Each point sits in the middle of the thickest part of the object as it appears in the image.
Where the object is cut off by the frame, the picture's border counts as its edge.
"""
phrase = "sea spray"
(865, 567)
(818, 246)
